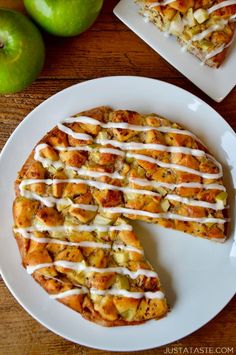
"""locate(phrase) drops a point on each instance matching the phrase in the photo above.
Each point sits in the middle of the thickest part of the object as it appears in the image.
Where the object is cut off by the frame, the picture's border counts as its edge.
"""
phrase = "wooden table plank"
(108, 48)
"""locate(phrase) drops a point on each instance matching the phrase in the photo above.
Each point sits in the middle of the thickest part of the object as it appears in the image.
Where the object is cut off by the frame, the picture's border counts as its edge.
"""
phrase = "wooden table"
(108, 48)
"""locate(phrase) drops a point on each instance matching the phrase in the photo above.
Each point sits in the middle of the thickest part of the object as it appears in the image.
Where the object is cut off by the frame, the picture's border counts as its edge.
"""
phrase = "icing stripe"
(84, 207)
(218, 50)
(69, 293)
(198, 37)
(124, 125)
(167, 215)
(70, 132)
(95, 174)
(162, 3)
(51, 201)
(112, 291)
(45, 161)
(220, 5)
(150, 146)
(84, 244)
(155, 184)
(137, 146)
(141, 181)
(174, 166)
(78, 228)
(79, 266)
(89, 149)
(192, 202)
(210, 10)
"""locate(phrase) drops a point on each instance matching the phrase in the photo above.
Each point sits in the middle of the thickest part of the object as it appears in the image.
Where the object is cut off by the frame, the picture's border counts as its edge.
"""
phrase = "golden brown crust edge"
(82, 305)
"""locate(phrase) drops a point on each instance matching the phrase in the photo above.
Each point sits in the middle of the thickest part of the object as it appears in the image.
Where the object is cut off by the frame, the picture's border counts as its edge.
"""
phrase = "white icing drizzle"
(163, 3)
(155, 184)
(138, 146)
(124, 125)
(141, 181)
(50, 201)
(198, 37)
(217, 50)
(111, 151)
(192, 202)
(83, 206)
(89, 149)
(69, 131)
(95, 174)
(127, 248)
(125, 293)
(135, 146)
(209, 30)
(80, 266)
(220, 5)
(176, 166)
(32, 269)
(167, 215)
(210, 10)
(158, 147)
(82, 148)
(84, 244)
(68, 293)
(45, 161)
(58, 164)
(112, 292)
(78, 228)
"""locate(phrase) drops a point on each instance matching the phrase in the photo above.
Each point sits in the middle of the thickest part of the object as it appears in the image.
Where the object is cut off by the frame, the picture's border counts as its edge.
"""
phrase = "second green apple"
(62, 17)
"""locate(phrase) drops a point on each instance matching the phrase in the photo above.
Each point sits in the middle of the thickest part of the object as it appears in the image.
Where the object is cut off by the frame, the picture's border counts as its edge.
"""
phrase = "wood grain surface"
(108, 48)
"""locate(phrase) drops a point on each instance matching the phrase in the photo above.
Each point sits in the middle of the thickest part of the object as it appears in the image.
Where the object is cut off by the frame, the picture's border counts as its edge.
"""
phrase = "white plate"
(198, 275)
(216, 83)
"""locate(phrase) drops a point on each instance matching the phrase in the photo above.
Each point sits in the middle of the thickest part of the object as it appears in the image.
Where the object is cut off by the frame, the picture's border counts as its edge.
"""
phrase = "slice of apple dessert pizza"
(81, 184)
(203, 28)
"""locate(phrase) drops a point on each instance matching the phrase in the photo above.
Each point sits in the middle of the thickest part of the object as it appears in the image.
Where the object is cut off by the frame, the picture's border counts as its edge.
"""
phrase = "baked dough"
(205, 28)
(77, 191)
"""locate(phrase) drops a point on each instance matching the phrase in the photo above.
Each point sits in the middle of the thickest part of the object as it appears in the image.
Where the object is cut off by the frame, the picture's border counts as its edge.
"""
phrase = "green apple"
(21, 51)
(64, 17)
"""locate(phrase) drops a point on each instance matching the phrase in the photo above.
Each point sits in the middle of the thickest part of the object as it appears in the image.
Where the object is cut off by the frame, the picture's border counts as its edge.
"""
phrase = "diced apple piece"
(161, 191)
(122, 282)
(106, 308)
(165, 205)
(221, 198)
(121, 257)
(64, 203)
(129, 314)
(201, 15)
(176, 25)
(101, 220)
(126, 307)
(190, 18)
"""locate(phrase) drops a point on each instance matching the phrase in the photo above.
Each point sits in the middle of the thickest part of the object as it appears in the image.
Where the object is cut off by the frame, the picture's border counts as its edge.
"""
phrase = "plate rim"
(8, 143)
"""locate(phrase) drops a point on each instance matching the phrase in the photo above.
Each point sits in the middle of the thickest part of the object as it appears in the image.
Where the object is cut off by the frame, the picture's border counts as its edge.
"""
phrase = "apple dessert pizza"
(204, 28)
(78, 190)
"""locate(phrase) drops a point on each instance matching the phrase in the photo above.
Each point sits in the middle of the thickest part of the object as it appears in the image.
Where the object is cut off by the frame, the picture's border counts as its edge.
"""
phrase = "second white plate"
(198, 275)
(216, 83)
